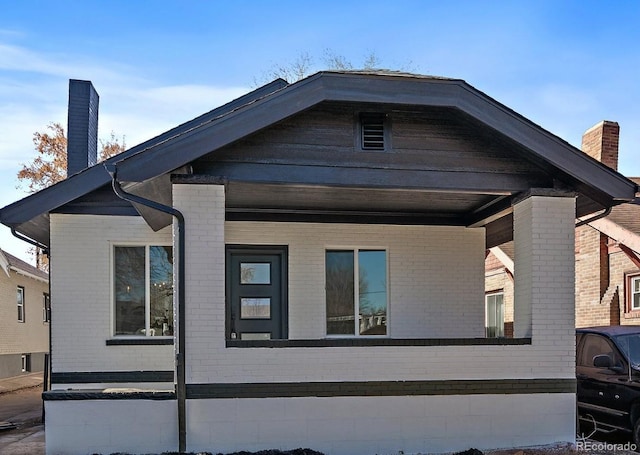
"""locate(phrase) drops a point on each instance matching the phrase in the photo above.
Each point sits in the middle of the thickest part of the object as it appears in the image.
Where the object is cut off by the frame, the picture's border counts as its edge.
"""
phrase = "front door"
(256, 292)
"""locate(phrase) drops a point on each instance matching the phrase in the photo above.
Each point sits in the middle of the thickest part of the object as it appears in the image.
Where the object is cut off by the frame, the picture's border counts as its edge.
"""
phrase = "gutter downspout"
(594, 218)
(180, 301)
(16, 234)
(48, 362)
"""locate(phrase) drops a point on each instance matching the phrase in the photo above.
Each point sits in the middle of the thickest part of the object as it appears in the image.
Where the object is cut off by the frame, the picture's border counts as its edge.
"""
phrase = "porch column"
(544, 281)
(203, 206)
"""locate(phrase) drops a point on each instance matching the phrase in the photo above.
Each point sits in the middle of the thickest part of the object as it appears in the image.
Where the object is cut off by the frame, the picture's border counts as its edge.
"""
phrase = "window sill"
(367, 342)
(633, 314)
(142, 341)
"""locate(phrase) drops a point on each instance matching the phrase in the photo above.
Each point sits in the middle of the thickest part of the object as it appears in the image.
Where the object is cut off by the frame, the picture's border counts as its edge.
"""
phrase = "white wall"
(436, 288)
(81, 302)
(436, 276)
(544, 280)
(380, 425)
(81, 427)
(434, 260)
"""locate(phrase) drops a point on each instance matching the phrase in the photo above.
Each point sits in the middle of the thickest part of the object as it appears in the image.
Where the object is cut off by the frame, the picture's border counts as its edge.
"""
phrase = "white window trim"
(46, 315)
(486, 303)
(356, 289)
(20, 303)
(25, 360)
(632, 293)
(147, 283)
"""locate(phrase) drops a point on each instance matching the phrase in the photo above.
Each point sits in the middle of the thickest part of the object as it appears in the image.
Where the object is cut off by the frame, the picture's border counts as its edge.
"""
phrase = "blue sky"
(565, 65)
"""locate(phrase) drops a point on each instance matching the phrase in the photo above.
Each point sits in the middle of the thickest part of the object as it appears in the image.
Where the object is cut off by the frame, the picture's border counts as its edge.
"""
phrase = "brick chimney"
(601, 142)
(82, 126)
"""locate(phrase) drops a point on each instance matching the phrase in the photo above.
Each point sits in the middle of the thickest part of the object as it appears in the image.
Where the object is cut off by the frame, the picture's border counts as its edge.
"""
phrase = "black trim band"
(66, 395)
(89, 377)
(349, 342)
(142, 341)
(380, 388)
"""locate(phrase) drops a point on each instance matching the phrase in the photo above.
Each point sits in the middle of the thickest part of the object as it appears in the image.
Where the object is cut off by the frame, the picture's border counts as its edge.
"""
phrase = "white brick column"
(544, 306)
(203, 207)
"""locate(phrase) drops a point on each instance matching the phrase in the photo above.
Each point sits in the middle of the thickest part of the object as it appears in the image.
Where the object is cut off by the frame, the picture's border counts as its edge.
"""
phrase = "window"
(356, 292)
(143, 290)
(20, 299)
(494, 315)
(633, 292)
(373, 131)
(46, 308)
(26, 362)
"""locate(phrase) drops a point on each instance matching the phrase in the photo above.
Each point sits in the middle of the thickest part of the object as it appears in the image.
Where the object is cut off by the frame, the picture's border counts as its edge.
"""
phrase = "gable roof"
(622, 224)
(277, 101)
(9, 262)
(628, 215)
(378, 87)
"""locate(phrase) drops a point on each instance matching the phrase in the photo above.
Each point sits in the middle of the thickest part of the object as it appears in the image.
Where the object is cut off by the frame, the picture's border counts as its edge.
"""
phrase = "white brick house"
(325, 241)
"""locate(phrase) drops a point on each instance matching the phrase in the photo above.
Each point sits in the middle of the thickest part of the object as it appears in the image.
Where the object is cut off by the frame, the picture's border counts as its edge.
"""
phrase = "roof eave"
(90, 179)
(346, 87)
(28, 274)
(277, 101)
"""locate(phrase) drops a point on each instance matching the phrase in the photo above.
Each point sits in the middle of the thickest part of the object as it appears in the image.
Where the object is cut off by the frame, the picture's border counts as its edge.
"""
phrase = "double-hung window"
(46, 307)
(494, 318)
(634, 292)
(143, 290)
(20, 302)
(356, 292)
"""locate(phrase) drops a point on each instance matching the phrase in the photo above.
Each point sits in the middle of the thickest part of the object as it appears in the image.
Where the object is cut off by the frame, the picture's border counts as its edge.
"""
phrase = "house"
(607, 258)
(24, 317)
(302, 266)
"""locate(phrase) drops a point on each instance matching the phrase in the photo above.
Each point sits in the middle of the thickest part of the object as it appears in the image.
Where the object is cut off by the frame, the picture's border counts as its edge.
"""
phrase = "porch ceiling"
(247, 200)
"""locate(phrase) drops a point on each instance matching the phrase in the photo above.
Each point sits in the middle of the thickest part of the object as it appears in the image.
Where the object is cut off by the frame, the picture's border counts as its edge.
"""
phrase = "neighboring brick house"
(608, 268)
(607, 257)
(24, 316)
(329, 240)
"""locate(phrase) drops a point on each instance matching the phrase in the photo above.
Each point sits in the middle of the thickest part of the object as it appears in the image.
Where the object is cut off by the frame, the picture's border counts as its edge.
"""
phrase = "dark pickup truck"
(608, 377)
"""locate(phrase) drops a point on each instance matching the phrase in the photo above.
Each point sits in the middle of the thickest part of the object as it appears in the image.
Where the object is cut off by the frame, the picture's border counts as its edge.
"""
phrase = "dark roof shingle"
(24, 266)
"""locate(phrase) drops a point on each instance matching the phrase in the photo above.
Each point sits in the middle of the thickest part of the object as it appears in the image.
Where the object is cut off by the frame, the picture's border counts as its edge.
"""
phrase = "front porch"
(433, 364)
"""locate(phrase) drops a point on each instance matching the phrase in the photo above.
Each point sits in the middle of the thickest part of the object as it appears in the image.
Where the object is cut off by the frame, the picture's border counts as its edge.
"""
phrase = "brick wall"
(544, 272)
(600, 265)
(499, 280)
(592, 279)
(435, 287)
(601, 142)
(619, 267)
(436, 284)
(81, 294)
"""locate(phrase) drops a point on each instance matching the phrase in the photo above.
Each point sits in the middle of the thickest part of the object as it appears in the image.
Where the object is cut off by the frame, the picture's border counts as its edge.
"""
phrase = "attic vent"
(372, 130)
